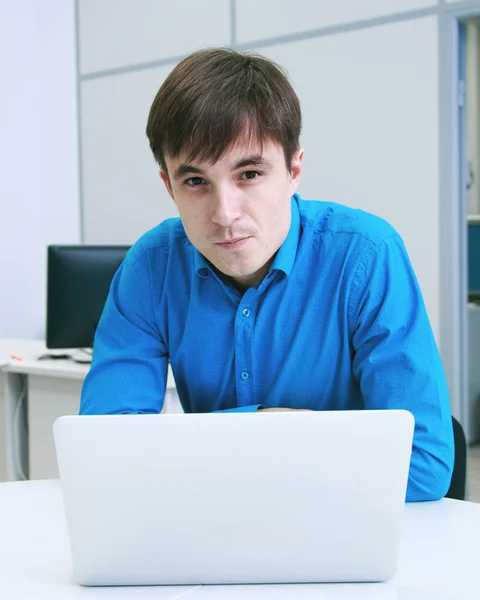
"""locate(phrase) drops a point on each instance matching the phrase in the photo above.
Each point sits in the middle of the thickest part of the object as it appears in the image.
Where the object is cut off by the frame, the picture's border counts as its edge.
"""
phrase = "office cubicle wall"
(366, 74)
(39, 197)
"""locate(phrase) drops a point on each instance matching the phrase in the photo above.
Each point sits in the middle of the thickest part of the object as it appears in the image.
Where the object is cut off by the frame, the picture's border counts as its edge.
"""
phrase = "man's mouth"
(233, 243)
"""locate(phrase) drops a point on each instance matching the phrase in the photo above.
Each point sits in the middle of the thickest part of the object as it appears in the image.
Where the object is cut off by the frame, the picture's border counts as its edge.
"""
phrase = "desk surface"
(439, 557)
(21, 356)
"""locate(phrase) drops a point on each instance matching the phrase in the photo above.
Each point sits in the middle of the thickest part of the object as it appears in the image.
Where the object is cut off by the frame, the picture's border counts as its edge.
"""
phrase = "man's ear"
(166, 181)
(296, 169)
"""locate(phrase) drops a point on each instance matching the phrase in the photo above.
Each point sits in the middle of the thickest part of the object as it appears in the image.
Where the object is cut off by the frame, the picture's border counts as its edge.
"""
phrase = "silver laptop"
(281, 497)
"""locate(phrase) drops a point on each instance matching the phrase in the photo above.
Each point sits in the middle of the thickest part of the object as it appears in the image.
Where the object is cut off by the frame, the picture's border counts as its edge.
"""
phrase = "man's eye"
(194, 181)
(250, 175)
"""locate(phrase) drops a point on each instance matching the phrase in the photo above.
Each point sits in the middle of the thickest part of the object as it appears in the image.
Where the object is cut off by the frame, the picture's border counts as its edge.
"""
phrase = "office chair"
(459, 475)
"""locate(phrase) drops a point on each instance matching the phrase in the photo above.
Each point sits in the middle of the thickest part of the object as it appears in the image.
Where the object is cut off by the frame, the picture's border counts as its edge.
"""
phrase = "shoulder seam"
(143, 251)
(367, 238)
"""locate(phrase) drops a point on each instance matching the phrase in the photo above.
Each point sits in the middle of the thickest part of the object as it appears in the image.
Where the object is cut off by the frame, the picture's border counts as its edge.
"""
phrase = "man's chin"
(237, 274)
(252, 275)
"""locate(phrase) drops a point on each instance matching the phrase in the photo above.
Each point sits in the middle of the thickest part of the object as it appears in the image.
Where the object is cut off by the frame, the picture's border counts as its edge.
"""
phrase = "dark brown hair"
(215, 96)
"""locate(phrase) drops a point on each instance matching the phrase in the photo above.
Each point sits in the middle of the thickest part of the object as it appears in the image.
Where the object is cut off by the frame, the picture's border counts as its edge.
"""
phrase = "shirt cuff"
(249, 408)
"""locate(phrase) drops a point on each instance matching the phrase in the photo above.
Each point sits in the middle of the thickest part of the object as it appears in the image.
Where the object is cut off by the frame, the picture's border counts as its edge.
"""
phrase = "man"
(259, 299)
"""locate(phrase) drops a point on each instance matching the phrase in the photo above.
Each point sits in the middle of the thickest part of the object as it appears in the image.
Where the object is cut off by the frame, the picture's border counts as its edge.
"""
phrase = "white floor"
(473, 481)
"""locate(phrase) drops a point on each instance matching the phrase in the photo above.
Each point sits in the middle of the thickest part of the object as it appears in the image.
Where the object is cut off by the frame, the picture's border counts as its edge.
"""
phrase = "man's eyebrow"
(185, 169)
(257, 161)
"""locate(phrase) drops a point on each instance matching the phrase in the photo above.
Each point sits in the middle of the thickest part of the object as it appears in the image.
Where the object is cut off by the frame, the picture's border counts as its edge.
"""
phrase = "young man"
(259, 299)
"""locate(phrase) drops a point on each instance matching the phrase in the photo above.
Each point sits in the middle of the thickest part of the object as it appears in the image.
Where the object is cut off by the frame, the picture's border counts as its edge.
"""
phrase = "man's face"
(236, 212)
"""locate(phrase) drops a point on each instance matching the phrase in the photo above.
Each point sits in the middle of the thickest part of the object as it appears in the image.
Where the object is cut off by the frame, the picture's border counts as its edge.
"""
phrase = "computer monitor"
(78, 282)
(474, 260)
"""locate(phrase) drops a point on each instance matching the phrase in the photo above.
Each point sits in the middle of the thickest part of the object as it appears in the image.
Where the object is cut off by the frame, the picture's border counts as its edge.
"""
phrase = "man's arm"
(129, 367)
(130, 359)
(397, 363)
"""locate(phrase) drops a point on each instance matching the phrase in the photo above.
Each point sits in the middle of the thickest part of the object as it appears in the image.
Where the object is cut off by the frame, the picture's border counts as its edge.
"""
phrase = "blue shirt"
(338, 323)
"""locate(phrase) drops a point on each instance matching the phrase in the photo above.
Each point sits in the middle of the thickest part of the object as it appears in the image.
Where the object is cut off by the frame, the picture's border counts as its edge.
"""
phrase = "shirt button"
(245, 375)
(246, 312)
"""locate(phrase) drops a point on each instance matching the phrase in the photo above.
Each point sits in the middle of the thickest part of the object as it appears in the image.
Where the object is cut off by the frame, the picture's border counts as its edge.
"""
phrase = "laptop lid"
(284, 497)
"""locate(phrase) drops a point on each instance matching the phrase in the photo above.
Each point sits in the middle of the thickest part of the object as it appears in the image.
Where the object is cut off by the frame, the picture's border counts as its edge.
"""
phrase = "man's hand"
(284, 410)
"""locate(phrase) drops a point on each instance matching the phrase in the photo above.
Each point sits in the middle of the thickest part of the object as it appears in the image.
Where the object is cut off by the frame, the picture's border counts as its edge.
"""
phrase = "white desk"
(439, 557)
(52, 389)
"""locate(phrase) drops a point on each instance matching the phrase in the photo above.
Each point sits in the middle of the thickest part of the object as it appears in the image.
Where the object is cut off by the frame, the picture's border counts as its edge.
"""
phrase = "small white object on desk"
(80, 355)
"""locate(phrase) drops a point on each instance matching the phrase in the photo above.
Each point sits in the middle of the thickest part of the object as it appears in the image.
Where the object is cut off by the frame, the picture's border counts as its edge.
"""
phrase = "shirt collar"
(202, 266)
(285, 256)
(288, 250)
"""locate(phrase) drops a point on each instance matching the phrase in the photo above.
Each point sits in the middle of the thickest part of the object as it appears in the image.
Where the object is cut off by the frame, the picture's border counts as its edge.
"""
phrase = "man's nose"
(225, 207)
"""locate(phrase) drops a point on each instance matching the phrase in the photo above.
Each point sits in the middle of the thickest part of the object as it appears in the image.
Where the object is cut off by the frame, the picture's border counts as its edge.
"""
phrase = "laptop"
(281, 497)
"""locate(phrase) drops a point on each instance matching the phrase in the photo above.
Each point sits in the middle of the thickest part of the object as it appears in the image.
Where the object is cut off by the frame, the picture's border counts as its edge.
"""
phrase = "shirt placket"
(244, 330)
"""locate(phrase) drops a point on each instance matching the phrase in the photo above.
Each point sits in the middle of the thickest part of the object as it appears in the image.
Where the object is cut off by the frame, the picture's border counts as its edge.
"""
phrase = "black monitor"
(474, 261)
(78, 282)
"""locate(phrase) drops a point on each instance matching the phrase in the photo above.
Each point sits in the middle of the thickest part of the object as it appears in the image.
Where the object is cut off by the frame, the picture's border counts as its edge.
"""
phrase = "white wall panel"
(269, 18)
(116, 33)
(370, 109)
(39, 197)
(122, 190)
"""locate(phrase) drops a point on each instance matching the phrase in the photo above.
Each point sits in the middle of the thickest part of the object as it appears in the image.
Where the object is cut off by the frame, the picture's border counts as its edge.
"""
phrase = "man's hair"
(217, 96)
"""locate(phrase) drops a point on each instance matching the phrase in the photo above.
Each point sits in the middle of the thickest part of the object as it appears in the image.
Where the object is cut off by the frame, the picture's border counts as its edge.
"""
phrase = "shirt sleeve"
(397, 363)
(129, 367)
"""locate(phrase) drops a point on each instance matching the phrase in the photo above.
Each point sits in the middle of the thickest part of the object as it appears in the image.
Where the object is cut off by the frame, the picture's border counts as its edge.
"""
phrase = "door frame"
(453, 340)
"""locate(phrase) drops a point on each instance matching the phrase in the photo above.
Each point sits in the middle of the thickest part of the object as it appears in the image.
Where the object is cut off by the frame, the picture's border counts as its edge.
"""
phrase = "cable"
(16, 425)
